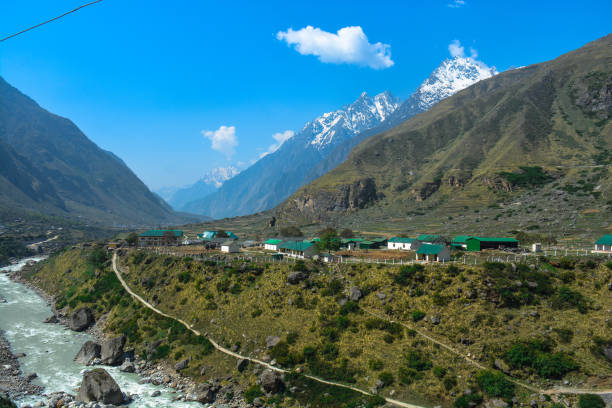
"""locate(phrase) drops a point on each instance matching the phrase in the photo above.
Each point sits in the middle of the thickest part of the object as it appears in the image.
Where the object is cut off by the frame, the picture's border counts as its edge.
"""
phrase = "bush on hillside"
(591, 401)
(495, 384)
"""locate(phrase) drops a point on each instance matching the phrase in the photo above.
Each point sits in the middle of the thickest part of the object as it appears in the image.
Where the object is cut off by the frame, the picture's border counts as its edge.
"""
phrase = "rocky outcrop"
(99, 386)
(594, 94)
(111, 352)
(296, 277)
(271, 381)
(344, 198)
(181, 365)
(88, 352)
(426, 190)
(272, 341)
(355, 293)
(81, 319)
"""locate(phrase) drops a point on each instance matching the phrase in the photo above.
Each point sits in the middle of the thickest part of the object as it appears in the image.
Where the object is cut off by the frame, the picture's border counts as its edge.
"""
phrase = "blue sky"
(161, 83)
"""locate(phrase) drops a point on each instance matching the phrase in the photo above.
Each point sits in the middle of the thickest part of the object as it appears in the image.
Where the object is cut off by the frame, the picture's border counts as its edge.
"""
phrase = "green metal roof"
(296, 245)
(605, 240)
(402, 240)
(461, 239)
(347, 240)
(430, 249)
(493, 239)
(274, 241)
(428, 237)
(160, 233)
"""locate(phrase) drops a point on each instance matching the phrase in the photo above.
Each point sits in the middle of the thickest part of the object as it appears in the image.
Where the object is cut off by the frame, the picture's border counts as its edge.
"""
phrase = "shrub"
(407, 375)
(409, 273)
(334, 287)
(386, 378)
(609, 264)
(388, 338)
(375, 365)
(565, 335)
(349, 307)
(591, 401)
(450, 382)
(97, 258)
(292, 337)
(467, 401)
(417, 315)
(439, 372)
(252, 392)
(554, 366)
(417, 360)
(566, 298)
(495, 384)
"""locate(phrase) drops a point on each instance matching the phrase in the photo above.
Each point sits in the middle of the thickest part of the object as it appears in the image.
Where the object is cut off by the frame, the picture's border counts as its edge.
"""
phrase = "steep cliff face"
(347, 198)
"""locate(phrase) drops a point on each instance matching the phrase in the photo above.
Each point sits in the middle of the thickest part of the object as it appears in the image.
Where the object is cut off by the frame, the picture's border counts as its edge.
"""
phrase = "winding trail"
(551, 391)
(238, 356)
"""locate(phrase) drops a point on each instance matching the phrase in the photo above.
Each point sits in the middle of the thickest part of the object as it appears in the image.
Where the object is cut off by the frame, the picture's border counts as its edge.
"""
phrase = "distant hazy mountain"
(48, 166)
(178, 197)
(277, 175)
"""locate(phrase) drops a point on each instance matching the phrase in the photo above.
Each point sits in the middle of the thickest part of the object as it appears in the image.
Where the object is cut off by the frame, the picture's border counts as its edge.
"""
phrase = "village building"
(213, 235)
(433, 253)
(604, 245)
(480, 243)
(409, 244)
(230, 247)
(154, 238)
(429, 239)
(350, 243)
(298, 249)
(273, 244)
(374, 243)
(460, 241)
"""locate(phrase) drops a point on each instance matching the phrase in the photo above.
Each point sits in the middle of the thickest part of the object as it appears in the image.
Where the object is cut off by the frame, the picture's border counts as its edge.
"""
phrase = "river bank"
(49, 349)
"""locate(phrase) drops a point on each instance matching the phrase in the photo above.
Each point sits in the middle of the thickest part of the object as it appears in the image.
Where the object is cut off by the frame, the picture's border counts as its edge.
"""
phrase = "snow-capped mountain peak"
(219, 175)
(365, 113)
(450, 77)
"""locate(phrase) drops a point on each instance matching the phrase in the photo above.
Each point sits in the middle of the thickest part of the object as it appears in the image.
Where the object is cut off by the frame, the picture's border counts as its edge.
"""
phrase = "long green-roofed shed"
(402, 240)
(605, 240)
(480, 243)
(160, 233)
(430, 249)
(428, 237)
(272, 241)
(300, 246)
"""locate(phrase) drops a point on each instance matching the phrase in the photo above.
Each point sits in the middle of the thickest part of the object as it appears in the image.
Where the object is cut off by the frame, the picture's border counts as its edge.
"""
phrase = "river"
(50, 348)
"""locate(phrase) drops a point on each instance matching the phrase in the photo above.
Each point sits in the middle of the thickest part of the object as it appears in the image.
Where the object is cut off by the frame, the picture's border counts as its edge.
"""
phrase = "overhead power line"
(48, 21)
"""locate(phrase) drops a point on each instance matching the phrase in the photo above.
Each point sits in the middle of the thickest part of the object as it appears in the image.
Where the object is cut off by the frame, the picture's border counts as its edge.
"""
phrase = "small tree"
(330, 241)
(132, 239)
(291, 231)
(347, 233)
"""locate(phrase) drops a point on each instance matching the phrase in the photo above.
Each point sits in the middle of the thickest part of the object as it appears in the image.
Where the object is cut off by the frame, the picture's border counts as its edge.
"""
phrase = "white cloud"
(280, 137)
(456, 49)
(223, 139)
(456, 3)
(349, 45)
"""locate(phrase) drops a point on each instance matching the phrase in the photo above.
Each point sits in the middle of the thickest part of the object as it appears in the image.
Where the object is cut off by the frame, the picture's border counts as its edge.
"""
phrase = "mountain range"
(325, 142)
(543, 131)
(48, 166)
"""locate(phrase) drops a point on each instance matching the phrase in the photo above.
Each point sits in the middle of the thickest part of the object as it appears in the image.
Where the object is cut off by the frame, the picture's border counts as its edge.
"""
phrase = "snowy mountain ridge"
(365, 113)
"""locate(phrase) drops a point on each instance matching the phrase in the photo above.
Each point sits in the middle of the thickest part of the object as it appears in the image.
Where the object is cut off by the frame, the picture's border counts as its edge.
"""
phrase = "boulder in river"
(88, 352)
(99, 386)
(112, 351)
(81, 319)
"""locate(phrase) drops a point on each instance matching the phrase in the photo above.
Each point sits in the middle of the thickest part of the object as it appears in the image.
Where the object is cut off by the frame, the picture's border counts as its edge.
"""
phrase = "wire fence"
(466, 258)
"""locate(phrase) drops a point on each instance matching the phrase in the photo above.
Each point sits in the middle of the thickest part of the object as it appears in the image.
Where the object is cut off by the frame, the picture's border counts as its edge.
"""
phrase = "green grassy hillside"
(542, 325)
(539, 134)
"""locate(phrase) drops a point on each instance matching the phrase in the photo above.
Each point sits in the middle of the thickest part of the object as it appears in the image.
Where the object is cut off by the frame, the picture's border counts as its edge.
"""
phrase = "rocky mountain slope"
(50, 167)
(274, 177)
(326, 141)
(451, 76)
(545, 125)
